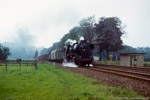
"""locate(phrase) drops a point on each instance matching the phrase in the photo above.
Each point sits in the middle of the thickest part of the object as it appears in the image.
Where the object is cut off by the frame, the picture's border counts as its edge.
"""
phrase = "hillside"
(21, 51)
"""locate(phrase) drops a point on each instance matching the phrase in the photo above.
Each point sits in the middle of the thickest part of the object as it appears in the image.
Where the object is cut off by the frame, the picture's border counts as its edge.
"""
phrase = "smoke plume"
(69, 41)
(24, 37)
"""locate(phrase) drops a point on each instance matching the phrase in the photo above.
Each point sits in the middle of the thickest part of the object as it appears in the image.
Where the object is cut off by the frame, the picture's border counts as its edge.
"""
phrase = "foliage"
(146, 64)
(127, 49)
(35, 55)
(54, 46)
(47, 50)
(43, 51)
(21, 51)
(87, 28)
(4, 52)
(63, 40)
(52, 83)
(108, 33)
(145, 50)
(73, 35)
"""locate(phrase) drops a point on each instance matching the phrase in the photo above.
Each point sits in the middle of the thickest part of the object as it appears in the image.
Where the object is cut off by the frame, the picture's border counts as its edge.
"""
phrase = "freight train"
(80, 53)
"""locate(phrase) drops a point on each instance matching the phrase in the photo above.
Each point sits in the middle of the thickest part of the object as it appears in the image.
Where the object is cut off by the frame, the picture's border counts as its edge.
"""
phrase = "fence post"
(35, 65)
(20, 65)
(6, 65)
(27, 62)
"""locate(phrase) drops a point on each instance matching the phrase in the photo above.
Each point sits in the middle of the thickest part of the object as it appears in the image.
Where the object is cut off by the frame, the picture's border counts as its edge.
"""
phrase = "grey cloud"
(24, 37)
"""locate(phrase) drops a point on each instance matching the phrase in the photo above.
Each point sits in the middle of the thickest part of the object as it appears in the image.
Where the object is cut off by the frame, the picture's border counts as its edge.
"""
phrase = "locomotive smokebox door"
(91, 46)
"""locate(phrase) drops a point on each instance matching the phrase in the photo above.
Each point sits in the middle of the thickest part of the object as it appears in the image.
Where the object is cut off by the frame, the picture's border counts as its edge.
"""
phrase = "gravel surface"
(113, 80)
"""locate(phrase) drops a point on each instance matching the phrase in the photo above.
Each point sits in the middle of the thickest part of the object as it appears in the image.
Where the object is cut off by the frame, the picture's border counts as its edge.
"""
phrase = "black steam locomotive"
(80, 53)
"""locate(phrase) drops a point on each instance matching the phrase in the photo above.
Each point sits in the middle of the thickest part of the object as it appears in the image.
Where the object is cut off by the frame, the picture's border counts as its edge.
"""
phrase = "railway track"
(142, 74)
(129, 74)
(135, 69)
(139, 83)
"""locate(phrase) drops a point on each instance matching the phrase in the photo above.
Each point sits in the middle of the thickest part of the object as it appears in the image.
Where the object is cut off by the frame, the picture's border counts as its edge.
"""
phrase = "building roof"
(132, 54)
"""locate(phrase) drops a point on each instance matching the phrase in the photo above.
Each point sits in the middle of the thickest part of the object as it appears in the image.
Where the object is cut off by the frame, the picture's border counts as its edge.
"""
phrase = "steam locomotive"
(80, 53)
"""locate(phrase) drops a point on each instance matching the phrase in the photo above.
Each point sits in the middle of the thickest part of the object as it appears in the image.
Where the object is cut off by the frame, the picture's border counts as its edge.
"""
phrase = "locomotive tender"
(80, 53)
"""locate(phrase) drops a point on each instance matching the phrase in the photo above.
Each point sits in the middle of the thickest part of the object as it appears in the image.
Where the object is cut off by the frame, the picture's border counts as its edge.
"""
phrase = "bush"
(146, 65)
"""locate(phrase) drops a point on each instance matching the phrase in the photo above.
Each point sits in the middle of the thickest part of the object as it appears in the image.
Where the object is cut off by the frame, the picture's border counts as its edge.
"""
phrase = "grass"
(109, 62)
(11, 67)
(146, 63)
(52, 83)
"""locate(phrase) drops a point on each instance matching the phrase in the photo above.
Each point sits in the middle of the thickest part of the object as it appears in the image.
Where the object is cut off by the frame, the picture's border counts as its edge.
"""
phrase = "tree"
(63, 40)
(4, 52)
(87, 26)
(72, 35)
(35, 55)
(43, 51)
(53, 47)
(108, 34)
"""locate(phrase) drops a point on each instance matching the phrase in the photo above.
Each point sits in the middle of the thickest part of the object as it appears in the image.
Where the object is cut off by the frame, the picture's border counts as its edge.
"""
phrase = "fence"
(20, 62)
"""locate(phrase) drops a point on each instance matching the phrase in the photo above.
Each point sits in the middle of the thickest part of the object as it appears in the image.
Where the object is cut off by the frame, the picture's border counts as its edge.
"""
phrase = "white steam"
(72, 64)
(71, 42)
(81, 38)
(69, 64)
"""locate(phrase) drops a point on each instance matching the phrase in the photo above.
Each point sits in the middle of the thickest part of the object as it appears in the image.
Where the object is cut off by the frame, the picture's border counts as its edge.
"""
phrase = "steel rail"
(129, 75)
(121, 70)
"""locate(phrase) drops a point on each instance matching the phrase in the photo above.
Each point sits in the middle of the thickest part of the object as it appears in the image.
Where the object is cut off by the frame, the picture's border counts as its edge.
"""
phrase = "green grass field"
(52, 83)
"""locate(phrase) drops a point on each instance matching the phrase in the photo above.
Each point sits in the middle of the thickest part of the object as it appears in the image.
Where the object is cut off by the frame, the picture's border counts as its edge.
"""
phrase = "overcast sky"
(43, 22)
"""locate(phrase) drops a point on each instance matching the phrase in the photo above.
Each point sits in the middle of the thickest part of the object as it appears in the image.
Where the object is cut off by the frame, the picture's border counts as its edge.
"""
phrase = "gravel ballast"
(113, 80)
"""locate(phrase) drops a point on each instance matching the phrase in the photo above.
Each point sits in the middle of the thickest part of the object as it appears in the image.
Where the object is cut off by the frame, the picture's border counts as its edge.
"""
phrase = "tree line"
(4, 52)
(105, 34)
